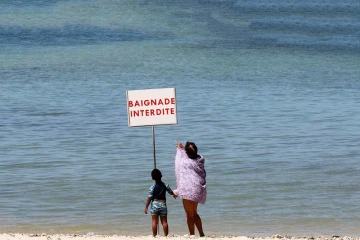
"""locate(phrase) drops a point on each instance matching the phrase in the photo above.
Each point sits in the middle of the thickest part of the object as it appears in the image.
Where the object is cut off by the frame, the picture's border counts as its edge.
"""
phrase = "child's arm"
(168, 189)
(147, 205)
(151, 190)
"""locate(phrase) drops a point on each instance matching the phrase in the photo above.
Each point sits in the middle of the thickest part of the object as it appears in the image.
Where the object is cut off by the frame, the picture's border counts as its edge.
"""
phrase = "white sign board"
(151, 107)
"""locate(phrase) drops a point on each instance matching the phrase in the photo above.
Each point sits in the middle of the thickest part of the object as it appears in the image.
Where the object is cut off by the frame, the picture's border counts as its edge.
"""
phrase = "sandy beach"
(91, 236)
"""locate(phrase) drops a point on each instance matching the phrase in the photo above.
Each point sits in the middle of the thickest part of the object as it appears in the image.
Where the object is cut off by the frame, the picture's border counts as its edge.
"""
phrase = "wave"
(307, 26)
(338, 43)
(322, 34)
(328, 7)
(24, 3)
(67, 35)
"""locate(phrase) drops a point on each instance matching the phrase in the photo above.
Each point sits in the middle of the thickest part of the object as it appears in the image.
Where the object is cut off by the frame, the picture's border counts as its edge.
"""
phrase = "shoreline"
(92, 236)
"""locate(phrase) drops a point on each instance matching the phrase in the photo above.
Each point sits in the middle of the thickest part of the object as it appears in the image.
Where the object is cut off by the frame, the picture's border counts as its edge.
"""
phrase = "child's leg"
(155, 221)
(165, 225)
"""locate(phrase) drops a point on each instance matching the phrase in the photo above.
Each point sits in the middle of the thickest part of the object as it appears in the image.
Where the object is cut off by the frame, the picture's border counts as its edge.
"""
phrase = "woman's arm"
(178, 144)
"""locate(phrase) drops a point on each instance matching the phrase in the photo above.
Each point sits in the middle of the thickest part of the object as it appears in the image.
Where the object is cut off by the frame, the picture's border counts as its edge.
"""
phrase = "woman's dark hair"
(156, 175)
(191, 150)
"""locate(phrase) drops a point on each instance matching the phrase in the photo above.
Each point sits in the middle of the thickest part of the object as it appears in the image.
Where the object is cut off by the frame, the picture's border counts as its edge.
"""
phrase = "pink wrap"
(190, 177)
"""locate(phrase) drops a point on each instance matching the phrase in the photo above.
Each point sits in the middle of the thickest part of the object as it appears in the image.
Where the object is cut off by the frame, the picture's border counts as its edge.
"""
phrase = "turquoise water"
(269, 91)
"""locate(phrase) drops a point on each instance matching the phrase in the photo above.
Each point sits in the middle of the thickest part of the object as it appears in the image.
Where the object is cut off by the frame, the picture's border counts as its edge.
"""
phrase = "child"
(157, 197)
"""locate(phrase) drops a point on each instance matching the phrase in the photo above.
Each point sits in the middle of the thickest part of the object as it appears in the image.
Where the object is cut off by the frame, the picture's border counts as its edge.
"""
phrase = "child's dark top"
(158, 191)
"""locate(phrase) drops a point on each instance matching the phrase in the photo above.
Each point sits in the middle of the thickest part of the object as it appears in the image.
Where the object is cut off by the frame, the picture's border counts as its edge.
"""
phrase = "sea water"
(268, 90)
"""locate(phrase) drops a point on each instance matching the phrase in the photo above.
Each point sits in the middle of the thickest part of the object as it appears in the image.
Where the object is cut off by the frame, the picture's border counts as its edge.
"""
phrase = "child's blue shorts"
(158, 208)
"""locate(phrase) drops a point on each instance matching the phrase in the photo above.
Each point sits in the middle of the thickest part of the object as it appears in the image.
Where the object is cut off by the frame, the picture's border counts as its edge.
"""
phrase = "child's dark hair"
(156, 175)
(191, 150)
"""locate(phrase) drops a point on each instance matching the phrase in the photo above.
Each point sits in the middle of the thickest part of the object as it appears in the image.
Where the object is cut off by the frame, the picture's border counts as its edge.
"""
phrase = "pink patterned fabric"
(190, 177)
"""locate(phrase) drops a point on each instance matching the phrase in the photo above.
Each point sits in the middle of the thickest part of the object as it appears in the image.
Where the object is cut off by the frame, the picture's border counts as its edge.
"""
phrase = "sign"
(151, 107)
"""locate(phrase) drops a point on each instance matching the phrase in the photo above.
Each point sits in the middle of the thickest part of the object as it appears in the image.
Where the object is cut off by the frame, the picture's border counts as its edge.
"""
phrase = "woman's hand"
(178, 144)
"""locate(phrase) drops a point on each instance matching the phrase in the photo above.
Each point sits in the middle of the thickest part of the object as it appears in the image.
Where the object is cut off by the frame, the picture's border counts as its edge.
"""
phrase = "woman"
(191, 183)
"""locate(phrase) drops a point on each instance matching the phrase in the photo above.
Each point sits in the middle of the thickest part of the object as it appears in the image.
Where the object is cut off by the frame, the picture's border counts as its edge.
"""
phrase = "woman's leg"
(165, 225)
(189, 210)
(155, 221)
(193, 219)
(198, 225)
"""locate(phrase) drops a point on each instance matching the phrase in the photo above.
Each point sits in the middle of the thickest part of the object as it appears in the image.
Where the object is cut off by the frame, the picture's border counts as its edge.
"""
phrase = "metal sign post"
(153, 139)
